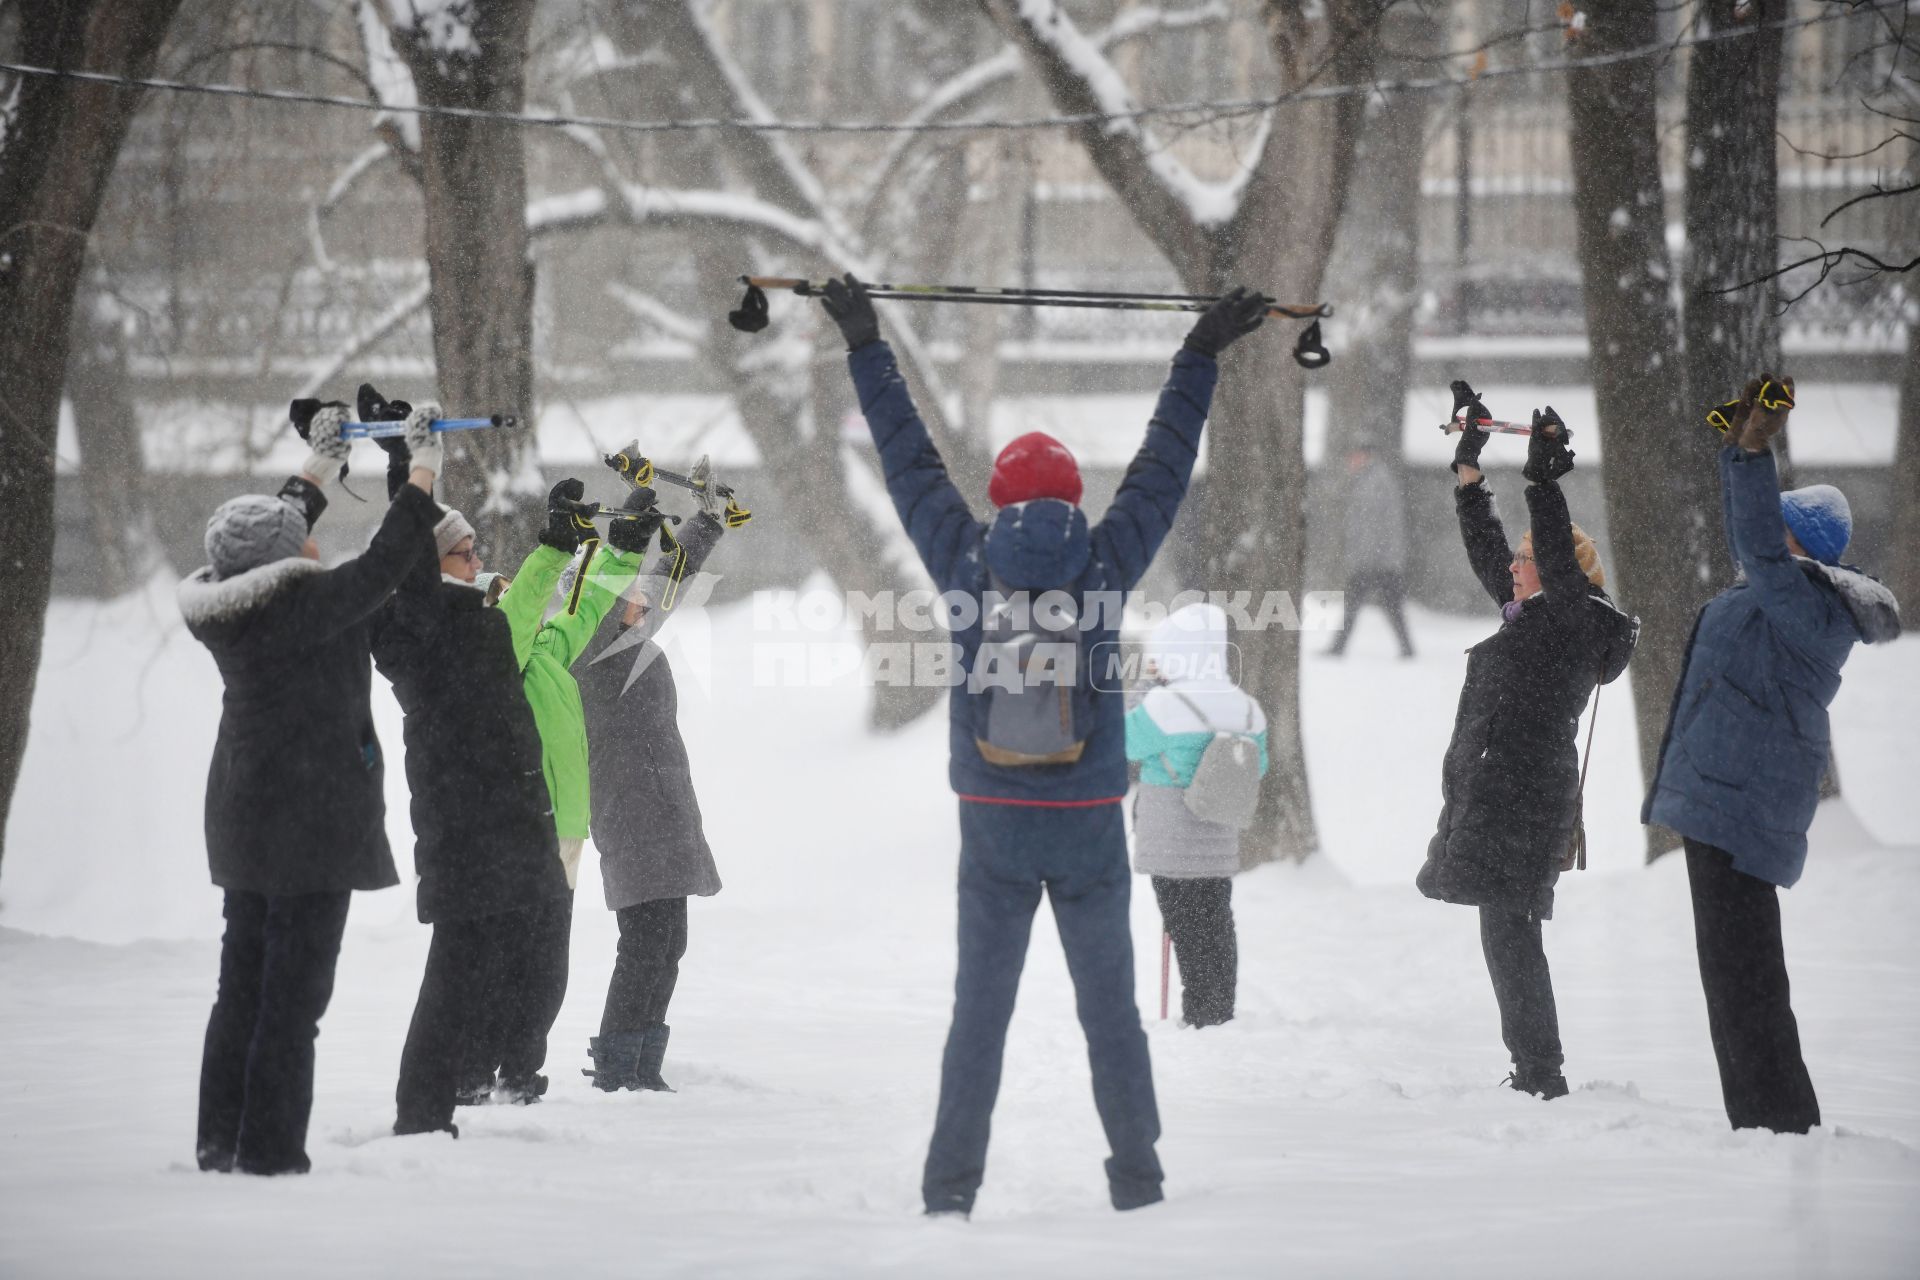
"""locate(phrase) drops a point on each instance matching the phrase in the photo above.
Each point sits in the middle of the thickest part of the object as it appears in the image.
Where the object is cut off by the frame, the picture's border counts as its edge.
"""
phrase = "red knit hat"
(1034, 466)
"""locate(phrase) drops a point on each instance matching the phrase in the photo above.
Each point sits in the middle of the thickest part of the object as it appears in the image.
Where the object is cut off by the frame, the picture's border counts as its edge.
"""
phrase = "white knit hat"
(447, 534)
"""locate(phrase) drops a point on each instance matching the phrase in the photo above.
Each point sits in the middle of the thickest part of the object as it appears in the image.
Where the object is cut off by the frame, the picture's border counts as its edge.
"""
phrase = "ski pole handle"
(387, 430)
(688, 482)
(1489, 425)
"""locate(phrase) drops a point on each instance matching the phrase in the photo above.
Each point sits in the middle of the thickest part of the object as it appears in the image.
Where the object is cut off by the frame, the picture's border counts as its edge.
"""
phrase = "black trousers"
(525, 995)
(1523, 986)
(1198, 916)
(1389, 586)
(256, 1069)
(1743, 969)
(653, 937)
(451, 1016)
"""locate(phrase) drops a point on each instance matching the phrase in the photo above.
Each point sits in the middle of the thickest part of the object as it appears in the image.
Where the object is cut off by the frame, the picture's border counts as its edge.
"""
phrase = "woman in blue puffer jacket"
(1746, 744)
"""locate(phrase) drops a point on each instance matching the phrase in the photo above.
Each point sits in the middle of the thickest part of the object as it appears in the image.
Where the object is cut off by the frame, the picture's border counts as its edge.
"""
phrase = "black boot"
(474, 1090)
(616, 1060)
(652, 1055)
(406, 1126)
(1544, 1083)
(522, 1091)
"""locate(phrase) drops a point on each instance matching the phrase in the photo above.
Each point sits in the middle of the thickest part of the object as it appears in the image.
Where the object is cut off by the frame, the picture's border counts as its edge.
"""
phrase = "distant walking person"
(296, 808)
(1195, 727)
(1745, 746)
(1039, 759)
(1510, 782)
(1376, 547)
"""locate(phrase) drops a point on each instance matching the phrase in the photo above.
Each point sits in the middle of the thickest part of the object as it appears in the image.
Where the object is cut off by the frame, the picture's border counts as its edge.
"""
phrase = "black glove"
(568, 518)
(1465, 397)
(373, 408)
(305, 495)
(1237, 314)
(1548, 457)
(633, 533)
(1466, 451)
(852, 310)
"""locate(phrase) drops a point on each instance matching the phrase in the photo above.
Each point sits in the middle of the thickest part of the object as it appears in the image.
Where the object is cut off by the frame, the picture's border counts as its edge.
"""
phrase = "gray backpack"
(1035, 721)
(1226, 783)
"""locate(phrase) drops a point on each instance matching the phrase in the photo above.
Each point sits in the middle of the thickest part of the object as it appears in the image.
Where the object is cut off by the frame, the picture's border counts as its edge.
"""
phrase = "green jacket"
(546, 648)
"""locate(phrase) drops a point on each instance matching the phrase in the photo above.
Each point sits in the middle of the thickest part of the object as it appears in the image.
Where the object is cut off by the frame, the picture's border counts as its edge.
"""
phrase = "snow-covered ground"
(1350, 1122)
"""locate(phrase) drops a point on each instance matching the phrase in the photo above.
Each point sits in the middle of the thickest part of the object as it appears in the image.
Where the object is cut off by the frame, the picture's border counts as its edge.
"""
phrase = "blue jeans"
(1008, 853)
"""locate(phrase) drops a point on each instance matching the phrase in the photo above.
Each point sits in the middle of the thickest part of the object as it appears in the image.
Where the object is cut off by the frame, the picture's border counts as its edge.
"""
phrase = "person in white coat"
(1191, 860)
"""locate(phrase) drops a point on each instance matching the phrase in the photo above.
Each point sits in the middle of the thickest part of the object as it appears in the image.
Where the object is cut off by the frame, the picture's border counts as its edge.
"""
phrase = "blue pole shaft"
(385, 430)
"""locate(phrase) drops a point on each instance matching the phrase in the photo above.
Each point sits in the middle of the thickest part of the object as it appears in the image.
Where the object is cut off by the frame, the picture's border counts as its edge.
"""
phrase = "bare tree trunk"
(475, 183)
(1732, 210)
(1378, 256)
(112, 476)
(1277, 238)
(57, 154)
(1902, 558)
(1663, 511)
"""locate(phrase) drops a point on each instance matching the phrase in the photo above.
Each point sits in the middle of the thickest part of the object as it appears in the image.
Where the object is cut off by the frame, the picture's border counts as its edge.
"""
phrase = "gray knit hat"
(252, 530)
(449, 531)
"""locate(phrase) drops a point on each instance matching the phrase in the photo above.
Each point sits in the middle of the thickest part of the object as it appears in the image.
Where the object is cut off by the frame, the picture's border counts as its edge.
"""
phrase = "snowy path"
(1348, 1123)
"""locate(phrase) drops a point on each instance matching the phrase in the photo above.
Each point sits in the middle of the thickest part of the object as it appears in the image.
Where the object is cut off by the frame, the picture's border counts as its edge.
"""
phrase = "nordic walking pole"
(1166, 967)
(1022, 297)
(1309, 352)
(387, 430)
(1489, 425)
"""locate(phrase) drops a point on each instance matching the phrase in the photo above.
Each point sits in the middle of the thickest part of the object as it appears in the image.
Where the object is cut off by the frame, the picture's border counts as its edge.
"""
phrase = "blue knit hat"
(1820, 517)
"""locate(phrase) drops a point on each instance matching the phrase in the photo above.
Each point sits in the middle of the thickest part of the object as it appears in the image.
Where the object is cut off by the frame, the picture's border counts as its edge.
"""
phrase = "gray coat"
(646, 818)
(1172, 842)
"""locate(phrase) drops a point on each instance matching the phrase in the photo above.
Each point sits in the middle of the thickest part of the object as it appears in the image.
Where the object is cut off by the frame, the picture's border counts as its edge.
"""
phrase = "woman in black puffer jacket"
(1510, 783)
(295, 810)
(484, 843)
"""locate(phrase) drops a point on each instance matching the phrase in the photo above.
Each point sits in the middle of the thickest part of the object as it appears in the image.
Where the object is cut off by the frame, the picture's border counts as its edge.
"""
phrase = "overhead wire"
(1215, 109)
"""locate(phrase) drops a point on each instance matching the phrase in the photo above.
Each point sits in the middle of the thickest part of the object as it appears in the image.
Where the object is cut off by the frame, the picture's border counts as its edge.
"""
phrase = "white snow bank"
(1348, 1123)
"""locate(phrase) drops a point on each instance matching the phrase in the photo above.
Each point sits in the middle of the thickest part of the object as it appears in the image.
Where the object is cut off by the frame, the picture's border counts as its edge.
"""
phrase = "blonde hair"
(1583, 551)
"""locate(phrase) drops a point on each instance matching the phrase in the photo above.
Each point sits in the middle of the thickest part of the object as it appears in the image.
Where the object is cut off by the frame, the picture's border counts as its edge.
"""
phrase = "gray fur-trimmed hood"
(207, 601)
(1868, 599)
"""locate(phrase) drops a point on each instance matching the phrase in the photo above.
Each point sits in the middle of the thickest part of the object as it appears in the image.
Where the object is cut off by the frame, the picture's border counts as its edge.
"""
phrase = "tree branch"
(1164, 197)
(1878, 193)
(1828, 260)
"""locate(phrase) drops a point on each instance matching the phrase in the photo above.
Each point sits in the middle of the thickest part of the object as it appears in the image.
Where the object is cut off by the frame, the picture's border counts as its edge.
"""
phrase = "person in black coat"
(646, 818)
(484, 843)
(295, 811)
(1510, 783)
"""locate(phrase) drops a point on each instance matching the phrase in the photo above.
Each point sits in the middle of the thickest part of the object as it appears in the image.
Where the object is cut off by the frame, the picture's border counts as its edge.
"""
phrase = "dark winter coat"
(646, 818)
(1512, 773)
(1037, 546)
(483, 828)
(295, 801)
(1746, 738)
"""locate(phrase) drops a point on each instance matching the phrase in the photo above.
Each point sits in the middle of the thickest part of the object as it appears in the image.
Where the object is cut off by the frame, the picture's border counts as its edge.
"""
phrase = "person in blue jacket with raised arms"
(1038, 752)
(1746, 743)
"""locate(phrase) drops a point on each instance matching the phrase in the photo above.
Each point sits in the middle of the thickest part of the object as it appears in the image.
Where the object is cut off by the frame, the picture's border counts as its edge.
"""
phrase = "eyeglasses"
(1523, 557)
(469, 555)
